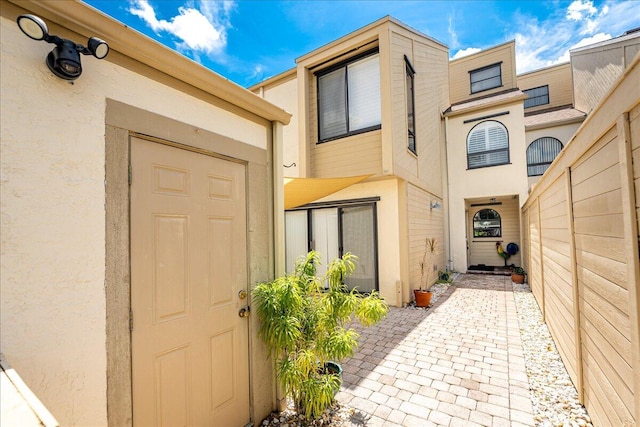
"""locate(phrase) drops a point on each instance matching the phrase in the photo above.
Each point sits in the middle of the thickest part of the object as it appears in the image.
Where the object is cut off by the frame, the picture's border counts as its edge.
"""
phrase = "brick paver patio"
(459, 364)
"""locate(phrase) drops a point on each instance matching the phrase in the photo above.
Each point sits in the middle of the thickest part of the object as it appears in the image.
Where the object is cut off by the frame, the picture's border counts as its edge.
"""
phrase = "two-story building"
(485, 157)
(436, 148)
(368, 106)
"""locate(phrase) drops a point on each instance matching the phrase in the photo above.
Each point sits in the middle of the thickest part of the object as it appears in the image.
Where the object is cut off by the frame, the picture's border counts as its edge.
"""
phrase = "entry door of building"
(188, 283)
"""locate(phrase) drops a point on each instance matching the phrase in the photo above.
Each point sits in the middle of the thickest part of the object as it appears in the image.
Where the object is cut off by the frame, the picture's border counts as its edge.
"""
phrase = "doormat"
(482, 267)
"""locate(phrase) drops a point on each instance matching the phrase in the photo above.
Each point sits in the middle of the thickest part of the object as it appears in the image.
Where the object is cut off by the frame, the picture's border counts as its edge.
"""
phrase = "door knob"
(244, 312)
(242, 294)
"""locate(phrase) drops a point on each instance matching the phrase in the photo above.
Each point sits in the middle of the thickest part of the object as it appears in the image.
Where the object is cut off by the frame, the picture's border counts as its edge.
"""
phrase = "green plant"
(444, 277)
(305, 326)
(519, 271)
(426, 266)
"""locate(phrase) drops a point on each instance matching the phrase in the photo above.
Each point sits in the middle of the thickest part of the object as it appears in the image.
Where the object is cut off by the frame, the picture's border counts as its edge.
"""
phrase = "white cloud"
(452, 33)
(202, 30)
(543, 43)
(600, 37)
(465, 52)
(581, 9)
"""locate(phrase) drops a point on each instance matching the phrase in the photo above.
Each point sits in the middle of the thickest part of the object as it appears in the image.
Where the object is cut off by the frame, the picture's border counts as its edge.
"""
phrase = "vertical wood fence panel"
(580, 247)
(557, 267)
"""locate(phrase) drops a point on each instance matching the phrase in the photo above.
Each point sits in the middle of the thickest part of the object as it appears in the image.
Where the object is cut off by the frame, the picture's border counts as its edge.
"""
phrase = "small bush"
(305, 326)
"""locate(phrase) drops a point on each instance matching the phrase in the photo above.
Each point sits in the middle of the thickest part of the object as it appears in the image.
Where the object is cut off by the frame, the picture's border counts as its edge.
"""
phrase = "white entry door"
(188, 268)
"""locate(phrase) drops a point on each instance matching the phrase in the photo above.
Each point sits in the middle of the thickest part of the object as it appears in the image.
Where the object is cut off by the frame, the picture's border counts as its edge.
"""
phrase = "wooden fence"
(580, 248)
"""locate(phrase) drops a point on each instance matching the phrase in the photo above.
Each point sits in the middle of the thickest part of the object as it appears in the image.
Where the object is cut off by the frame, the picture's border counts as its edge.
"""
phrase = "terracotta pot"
(423, 298)
(517, 278)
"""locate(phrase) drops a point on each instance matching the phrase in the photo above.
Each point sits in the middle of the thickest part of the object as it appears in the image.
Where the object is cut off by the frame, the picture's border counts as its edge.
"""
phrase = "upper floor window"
(537, 96)
(540, 154)
(487, 223)
(486, 78)
(411, 117)
(349, 97)
(487, 145)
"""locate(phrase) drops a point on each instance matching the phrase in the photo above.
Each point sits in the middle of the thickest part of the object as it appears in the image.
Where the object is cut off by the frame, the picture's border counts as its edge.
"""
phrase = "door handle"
(244, 312)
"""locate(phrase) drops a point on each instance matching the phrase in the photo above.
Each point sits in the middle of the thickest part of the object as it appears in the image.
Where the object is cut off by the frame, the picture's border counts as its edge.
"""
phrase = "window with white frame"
(487, 145)
(486, 78)
(349, 97)
(541, 153)
(411, 116)
(537, 96)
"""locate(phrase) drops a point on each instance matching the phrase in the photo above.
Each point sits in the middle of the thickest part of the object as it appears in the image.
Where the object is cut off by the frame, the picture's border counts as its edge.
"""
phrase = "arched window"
(487, 223)
(541, 153)
(487, 145)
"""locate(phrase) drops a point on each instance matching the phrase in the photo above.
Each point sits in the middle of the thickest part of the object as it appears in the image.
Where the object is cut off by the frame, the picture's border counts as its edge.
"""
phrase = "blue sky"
(248, 41)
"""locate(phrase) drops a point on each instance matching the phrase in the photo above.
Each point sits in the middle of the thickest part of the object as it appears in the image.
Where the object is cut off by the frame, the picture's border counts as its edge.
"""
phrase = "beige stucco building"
(106, 301)
(485, 157)
(90, 316)
(390, 132)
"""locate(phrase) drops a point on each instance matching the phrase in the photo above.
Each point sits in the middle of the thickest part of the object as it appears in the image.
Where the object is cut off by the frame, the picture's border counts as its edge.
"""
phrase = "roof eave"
(85, 20)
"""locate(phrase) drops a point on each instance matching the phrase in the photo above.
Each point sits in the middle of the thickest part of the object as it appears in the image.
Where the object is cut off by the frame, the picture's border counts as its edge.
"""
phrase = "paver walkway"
(459, 364)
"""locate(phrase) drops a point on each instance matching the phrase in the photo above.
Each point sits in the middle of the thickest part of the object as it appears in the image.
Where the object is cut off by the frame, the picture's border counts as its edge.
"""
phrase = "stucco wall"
(284, 94)
(52, 303)
(504, 180)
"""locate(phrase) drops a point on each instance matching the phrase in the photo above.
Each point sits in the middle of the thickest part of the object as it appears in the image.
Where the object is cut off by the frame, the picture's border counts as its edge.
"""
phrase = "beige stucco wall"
(283, 93)
(52, 303)
(496, 181)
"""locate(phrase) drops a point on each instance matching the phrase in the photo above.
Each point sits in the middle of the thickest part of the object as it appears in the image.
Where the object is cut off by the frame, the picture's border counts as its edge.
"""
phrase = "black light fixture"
(64, 59)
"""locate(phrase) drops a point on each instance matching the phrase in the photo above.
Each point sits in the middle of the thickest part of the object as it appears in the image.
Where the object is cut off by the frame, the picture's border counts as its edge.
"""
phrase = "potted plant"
(517, 275)
(423, 294)
(306, 328)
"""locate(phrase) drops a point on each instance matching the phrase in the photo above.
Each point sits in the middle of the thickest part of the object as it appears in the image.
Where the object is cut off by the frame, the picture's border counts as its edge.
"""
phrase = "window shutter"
(332, 104)
(364, 93)
(487, 145)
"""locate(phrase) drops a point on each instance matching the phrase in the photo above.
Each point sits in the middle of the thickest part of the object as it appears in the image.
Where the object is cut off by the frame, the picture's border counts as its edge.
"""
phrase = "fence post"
(631, 249)
(574, 285)
(541, 269)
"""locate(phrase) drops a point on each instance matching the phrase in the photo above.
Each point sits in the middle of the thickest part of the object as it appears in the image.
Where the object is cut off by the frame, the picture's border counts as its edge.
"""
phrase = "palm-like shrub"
(305, 326)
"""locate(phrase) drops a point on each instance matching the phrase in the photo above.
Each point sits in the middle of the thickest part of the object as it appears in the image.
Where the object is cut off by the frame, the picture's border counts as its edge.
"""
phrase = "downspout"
(278, 199)
(278, 233)
(447, 207)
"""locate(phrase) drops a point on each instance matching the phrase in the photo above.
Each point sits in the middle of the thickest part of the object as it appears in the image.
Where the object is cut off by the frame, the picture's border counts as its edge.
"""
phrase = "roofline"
(283, 75)
(362, 30)
(561, 64)
(489, 104)
(603, 43)
(88, 21)
(483, 51)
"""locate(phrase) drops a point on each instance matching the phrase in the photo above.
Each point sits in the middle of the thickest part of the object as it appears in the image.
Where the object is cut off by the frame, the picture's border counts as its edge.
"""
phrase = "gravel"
(553, 395)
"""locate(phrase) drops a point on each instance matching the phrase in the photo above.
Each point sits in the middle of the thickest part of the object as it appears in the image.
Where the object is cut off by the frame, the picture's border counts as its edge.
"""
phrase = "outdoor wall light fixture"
(434, 204)
(64, 59)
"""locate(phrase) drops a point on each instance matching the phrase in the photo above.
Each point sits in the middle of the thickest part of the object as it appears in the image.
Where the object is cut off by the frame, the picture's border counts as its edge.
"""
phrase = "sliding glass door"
(333, 231)
(359, 238)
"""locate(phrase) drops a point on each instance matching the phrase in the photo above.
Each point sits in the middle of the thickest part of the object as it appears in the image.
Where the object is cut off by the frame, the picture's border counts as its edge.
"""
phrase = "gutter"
(87, 21)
